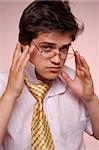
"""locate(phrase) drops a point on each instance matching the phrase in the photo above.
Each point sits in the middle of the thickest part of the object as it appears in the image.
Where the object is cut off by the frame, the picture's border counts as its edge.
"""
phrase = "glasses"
(49, 52)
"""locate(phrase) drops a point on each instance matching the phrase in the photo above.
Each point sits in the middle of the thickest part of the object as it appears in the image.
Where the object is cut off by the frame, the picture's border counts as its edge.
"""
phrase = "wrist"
(94, 98)
(9, 95)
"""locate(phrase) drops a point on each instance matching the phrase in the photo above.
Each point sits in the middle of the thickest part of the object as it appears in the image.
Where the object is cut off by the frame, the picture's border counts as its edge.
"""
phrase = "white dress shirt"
(66, 115)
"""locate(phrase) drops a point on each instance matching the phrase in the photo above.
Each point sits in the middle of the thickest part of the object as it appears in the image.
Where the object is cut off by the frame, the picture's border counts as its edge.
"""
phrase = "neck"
(47, 81)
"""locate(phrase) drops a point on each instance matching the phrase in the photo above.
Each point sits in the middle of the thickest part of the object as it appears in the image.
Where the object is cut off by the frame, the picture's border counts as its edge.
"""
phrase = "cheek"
(37, 60)
(33, 57)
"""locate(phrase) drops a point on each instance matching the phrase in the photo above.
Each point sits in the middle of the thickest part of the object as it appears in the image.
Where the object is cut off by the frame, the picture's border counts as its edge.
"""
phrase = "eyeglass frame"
(54, 53)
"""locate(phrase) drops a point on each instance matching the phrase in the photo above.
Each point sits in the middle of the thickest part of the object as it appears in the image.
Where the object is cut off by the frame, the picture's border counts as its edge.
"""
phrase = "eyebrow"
(65, 46)
(53, 44)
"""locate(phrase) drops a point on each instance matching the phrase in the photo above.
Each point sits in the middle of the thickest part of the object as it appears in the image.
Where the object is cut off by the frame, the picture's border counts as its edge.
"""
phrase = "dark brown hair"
(47, 16)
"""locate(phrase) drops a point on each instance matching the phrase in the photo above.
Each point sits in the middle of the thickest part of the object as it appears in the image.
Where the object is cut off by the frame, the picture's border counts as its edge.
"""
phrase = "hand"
(16, 75)
(82, 85)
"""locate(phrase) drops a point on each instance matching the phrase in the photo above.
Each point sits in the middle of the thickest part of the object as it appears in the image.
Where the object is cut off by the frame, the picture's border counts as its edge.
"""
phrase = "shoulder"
(3, 81)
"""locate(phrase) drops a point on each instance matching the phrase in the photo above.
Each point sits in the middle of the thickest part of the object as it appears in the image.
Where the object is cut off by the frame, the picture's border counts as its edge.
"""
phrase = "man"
(70, 106)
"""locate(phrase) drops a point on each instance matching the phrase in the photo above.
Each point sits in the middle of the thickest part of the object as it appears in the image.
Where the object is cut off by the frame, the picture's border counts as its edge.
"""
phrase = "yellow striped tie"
(41, 135)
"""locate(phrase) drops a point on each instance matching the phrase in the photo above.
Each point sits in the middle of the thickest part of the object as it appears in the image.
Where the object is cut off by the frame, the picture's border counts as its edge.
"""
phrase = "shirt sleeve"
(1, 147)
(3, 82)
(88, 127)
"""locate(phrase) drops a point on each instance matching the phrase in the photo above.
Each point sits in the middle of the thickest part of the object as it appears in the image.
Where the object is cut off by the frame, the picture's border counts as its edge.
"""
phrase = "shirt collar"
(30, 73)
(58, 87)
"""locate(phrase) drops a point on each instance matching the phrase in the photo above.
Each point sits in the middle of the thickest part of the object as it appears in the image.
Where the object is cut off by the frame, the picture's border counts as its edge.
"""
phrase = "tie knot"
(38, 90)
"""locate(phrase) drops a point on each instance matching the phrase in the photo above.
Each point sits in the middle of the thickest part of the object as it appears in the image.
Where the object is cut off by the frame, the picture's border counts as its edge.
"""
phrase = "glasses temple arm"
(36, 46)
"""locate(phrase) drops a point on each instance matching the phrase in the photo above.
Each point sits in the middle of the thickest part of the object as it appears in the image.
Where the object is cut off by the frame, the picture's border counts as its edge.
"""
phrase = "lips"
(54, 69)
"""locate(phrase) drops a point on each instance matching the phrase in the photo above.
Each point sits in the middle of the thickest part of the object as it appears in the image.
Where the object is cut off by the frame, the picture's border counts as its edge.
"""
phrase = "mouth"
(54, 69)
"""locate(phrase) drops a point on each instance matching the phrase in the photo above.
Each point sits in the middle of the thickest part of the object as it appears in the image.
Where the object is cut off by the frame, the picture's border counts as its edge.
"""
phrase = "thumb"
(66, 77)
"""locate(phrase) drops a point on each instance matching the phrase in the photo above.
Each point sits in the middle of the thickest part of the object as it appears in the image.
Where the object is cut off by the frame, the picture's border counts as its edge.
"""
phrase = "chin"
(47, 76)
(51, 77)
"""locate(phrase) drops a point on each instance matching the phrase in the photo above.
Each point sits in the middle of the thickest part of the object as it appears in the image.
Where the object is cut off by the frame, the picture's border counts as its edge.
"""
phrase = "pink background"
(87, 43)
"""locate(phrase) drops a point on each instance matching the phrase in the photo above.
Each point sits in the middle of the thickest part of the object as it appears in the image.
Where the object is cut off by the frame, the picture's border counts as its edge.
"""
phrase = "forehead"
(56, 38)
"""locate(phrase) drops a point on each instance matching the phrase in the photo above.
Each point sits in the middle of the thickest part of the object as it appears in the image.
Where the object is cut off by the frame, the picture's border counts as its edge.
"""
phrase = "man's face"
(49, 68)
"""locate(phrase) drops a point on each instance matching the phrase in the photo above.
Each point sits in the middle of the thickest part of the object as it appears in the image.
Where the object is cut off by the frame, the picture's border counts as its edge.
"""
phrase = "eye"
(46, 48)
(65, 49)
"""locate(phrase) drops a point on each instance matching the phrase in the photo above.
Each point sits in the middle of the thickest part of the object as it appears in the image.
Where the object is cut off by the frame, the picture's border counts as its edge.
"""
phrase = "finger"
(81, 63)
(66, 77)
(81, 74)
(16, 54)
(86, 72)
(31, 49)
(77, 60)
(24, 62)
(84, 63)
(22, 57)
(84, 67)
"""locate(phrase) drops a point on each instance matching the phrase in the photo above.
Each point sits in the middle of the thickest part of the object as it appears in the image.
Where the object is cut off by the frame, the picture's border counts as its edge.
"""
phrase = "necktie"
(41, 135)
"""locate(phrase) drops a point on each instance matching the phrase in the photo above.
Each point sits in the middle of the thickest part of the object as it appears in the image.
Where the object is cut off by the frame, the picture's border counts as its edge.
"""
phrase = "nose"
(56, 59)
